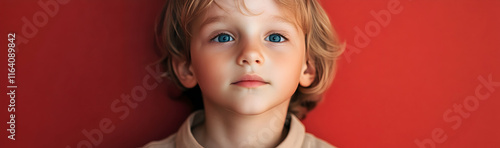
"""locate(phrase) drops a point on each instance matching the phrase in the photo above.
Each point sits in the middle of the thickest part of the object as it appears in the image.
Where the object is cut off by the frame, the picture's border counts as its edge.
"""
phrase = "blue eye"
(223, 38)
(275, 38)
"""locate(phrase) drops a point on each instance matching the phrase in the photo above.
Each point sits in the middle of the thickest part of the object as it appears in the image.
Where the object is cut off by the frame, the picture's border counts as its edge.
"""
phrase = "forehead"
(247, 6)
(221, 10)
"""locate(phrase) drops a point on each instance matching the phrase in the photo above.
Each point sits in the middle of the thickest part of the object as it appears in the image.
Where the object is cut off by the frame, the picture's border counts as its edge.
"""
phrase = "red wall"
(430, 74)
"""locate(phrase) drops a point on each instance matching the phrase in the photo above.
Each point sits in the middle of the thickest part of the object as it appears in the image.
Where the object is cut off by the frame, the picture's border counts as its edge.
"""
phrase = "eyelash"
(281, 35)
(219, 34)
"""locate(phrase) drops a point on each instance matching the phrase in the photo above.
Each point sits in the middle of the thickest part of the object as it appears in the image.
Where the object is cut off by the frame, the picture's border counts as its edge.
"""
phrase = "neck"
(225, 128)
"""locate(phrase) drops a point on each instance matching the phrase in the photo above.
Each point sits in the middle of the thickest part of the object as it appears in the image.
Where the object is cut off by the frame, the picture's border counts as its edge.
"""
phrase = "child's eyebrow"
(273, 18)
(212, 20)
(277, 18)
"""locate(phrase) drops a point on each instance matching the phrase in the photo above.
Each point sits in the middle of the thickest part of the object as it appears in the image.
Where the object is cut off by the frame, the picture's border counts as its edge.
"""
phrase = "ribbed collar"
(185, 137)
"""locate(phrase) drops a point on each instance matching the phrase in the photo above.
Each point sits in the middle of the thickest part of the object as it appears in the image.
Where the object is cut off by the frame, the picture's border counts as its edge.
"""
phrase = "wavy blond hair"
(322, 46)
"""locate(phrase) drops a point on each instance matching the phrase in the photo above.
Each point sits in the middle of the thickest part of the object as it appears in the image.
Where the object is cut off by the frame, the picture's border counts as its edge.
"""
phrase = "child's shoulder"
(183, 137)
(297, 136)
(312, 141)
(168, 142)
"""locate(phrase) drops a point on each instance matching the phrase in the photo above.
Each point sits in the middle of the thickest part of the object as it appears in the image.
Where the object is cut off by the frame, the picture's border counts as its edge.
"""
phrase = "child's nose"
(251, 53)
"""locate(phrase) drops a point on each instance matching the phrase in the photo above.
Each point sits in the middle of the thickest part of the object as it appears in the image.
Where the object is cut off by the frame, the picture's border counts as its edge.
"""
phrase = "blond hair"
(322, 46)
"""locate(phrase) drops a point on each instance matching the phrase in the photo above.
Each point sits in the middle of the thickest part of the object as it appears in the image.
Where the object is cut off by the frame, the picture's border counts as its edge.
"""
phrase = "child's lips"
(250, 81)
(250, 84)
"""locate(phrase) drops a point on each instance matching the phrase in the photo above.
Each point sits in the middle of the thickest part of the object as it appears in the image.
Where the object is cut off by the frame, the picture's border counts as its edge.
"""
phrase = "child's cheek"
(286, 70)
(211, 70)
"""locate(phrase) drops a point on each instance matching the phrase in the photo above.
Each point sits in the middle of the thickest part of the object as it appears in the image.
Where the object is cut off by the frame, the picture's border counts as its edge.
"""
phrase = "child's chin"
(253, 107)
(250, 111)
(249, 108)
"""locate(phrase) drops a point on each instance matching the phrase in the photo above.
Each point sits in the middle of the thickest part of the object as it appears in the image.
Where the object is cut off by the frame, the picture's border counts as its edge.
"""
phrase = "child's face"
(227, 46)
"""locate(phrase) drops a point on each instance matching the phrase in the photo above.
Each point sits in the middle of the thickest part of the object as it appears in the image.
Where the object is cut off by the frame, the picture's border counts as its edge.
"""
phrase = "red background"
(391, 92)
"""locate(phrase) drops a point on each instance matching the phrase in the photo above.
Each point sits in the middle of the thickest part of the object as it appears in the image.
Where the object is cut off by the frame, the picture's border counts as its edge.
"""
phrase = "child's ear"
(308, 74)
(184, 73)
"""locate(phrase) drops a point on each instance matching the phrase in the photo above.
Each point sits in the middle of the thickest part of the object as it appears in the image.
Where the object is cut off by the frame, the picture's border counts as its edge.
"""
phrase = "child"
(255, 66)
